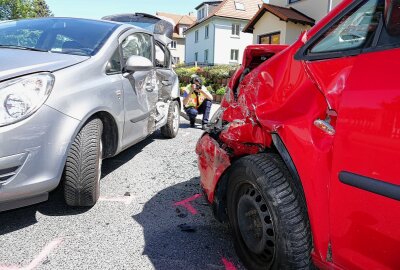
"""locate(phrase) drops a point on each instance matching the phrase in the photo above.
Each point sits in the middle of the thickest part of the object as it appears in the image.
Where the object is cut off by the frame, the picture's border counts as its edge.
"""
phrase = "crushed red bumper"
(212, 162)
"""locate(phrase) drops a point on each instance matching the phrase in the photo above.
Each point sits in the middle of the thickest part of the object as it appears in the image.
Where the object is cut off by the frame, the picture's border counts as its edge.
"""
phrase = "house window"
(206, 56)
(239, 6)
(173, 44)
(183, 30)
(292, 1)
(271, 38)
(235, 29)
(201, 13)
(196, 36)
(196, 57)
(176, 60)
(234, 55)
(206, 31)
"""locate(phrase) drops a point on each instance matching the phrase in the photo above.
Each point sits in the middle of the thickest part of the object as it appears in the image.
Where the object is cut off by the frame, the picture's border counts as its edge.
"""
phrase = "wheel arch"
(110, 134)
(219, 204)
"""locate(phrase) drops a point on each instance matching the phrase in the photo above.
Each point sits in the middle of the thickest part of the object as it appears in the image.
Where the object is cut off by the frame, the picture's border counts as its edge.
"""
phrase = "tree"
(41, 9)
(18, 9)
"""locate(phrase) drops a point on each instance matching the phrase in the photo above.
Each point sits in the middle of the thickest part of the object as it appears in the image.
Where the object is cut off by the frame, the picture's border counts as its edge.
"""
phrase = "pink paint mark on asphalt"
(126, 199)
(228, 265)
(38, 259)
(186, 203)
(8, 267)
(44, 253)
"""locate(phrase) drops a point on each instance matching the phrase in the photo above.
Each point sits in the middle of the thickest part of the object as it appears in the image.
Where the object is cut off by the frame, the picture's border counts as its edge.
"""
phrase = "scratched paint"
(186, 203)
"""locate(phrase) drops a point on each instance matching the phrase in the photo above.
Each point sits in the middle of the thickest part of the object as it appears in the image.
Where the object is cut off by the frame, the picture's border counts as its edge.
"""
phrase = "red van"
(301, 159)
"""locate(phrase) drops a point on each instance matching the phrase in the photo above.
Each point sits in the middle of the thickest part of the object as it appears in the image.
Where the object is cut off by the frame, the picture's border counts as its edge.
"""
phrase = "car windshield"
(58, 35)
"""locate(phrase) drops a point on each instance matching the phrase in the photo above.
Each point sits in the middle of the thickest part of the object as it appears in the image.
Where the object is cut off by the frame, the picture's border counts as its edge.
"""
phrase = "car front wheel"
(267, 215)
(83, 166)
(170, 130)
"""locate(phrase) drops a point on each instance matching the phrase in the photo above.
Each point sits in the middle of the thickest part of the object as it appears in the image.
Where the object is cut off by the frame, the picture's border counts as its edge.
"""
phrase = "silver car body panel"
(15, 63)
(33, 151)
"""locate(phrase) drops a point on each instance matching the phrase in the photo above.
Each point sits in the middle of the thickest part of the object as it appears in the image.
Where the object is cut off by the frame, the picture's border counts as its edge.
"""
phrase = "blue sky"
(95, 9)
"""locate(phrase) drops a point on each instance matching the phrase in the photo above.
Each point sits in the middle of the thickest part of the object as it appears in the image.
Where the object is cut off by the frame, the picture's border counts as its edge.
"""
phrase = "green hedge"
(214, 77)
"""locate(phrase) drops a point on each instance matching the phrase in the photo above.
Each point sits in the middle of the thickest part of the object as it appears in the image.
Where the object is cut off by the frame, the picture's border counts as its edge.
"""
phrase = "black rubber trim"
(280, 146)
(8, 170)
(372, 185)
(140, 118)
(302, 53)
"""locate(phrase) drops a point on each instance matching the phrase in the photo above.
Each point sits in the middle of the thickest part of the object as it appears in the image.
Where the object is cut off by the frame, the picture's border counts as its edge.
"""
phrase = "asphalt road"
(135, 225)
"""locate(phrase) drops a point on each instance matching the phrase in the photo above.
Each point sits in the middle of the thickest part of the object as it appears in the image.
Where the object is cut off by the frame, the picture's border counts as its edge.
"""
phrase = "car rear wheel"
(83, 166)
(268, 215)
(170, 130)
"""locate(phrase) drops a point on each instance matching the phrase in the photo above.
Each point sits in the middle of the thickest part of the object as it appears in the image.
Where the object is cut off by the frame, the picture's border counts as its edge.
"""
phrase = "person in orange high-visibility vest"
(197, 100)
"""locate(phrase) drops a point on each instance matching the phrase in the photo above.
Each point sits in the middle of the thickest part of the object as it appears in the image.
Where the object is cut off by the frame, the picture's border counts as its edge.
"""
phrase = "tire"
(170, 130)
(83, 166)
(268, 215)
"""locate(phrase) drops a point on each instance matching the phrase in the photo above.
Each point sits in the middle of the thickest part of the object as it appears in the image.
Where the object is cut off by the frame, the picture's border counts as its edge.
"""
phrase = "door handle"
(149, 88)
(118, 93)
(166, 83)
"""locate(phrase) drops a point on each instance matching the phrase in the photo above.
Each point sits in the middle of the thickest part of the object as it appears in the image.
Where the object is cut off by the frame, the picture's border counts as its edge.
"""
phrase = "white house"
(316, 9)
(282, 21)
(217, 37)
(181, 23)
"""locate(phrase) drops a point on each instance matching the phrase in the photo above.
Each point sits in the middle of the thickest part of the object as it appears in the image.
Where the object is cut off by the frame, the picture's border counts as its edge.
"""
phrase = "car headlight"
(21, 97)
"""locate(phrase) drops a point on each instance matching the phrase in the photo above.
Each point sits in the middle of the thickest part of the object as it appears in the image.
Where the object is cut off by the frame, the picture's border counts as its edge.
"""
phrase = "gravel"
(136, 225)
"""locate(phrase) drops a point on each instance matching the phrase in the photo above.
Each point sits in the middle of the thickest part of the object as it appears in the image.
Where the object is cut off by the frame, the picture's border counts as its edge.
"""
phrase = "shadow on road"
(179, 238)
(17, 219)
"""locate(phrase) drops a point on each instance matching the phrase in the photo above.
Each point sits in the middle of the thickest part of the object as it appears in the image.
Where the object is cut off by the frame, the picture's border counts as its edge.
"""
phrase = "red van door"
(354, 61)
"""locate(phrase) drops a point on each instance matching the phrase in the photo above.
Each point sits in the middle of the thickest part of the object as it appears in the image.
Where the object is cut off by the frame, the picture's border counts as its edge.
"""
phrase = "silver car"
(73, 92)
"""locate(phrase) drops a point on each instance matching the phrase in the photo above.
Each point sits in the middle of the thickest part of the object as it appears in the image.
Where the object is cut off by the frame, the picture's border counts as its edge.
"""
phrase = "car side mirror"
(138, 63)
(392, 17)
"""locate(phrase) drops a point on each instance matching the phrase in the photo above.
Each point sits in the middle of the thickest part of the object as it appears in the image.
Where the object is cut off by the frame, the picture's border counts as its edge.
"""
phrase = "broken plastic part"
(212, 161)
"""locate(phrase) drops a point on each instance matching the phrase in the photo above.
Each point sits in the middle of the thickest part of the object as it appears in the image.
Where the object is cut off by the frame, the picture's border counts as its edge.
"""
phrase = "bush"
(215, 76)
(221, 91)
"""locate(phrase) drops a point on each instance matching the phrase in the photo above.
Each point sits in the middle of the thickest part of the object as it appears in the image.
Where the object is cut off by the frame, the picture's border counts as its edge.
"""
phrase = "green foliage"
(221, 91)
(20, 9)
(215, 76)
(210, 89)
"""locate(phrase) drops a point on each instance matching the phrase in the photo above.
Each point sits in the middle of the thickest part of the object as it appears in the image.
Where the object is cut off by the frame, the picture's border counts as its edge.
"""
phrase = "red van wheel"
(267, 215)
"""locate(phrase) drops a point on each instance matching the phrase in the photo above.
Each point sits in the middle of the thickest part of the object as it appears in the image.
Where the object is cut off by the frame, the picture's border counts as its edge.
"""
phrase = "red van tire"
(267, 215)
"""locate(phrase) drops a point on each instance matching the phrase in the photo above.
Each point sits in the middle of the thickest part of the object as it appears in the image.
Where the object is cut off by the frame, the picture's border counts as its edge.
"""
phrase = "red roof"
(227, 9)
(283, 13)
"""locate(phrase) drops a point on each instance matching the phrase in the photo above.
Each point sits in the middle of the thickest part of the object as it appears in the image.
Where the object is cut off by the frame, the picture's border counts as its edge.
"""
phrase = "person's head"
(195, 79)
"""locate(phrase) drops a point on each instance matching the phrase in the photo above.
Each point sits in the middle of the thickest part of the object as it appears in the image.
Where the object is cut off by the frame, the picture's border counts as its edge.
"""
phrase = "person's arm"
(205, 92)
(186, 95)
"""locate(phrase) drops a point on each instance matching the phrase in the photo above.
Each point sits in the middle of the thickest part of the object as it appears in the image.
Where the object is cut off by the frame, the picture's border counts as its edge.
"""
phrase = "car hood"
(15, 63)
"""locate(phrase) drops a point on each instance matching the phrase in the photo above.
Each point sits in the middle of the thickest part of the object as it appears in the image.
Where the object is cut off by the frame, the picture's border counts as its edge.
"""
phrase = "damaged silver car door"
(165, 75)
(140, 88)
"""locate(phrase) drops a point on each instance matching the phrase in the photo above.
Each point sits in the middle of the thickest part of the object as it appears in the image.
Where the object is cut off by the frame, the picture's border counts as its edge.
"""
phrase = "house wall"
(180, 49)
(224, 41)
(203, 44)
(293, 32)
(316, 9)
(269, 23)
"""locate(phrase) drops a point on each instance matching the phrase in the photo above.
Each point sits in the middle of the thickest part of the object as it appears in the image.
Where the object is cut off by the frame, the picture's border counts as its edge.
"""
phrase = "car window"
(139, 44)
(71, 36)
(353, 31)
(114, 65)
(59, 42)
(21, 37)
(163, 56)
